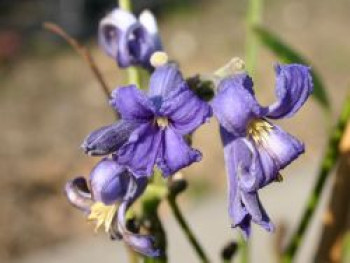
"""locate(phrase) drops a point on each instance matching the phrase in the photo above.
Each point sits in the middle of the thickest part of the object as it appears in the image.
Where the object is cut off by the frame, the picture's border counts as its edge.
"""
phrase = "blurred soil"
(48, 104)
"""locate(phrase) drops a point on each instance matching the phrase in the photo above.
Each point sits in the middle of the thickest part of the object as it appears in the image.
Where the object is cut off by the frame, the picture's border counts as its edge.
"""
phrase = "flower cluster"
(153, 125)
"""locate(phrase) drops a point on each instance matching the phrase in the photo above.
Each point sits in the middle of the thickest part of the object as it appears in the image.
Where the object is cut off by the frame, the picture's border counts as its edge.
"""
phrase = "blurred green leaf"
(288, 55)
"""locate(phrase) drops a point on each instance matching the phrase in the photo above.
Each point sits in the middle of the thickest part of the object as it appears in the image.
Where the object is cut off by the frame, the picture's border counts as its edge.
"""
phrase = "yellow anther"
(103, 215)
(258, 130)
(162, 122)
(159, 58)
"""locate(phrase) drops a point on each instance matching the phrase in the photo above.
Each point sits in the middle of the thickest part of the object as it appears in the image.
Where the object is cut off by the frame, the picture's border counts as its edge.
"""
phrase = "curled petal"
(114, 33)
(174, 153)
(293, 87)
(143, 244)
(140, 153)
(256, 210)
(148, 20)
(132, 104)
(78, 194)
(235, 105)
(108, 139)
(164, 80)
(244, 206)
(185, 110)
(109, 181)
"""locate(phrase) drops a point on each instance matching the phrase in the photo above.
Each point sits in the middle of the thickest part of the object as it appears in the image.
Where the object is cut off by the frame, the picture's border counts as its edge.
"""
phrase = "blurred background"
(49, 101)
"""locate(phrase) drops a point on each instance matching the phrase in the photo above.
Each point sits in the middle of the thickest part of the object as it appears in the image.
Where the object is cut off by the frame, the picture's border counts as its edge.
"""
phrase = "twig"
(186, 229)
(82, 51)
(328, 163)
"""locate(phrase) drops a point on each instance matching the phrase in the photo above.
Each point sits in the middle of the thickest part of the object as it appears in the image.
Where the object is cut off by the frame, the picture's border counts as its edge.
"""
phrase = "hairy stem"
(329, 161)
(82, 51)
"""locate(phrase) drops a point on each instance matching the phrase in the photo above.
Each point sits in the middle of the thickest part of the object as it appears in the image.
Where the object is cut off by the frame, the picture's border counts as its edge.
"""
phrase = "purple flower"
(256, 150)
(128, 40)
(112, 191)
(152, 127)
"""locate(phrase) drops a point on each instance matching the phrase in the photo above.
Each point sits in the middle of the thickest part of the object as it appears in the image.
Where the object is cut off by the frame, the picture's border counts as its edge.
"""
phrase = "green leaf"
(288, 55)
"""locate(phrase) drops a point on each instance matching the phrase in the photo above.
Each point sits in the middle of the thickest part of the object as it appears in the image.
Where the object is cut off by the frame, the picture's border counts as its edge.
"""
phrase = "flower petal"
(143, 244)
(108, 139)
(164, 80)
(282, 147)
(174, 153)
(256, 210)
(78, 194)
(244, 206)
(293, 87)
(132, 104)
(185, 110)
(114, 33)
(237, 212)
(109, 181)
(148, 20)
(235, 105)
(140, 153)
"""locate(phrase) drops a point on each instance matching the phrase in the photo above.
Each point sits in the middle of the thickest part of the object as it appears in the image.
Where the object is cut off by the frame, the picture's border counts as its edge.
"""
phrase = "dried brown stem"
(82, 51)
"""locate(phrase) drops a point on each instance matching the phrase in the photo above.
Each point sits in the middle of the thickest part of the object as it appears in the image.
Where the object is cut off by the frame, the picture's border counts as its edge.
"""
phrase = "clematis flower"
(153, 125)
(111, 190)
(255, 149)
(129, 40)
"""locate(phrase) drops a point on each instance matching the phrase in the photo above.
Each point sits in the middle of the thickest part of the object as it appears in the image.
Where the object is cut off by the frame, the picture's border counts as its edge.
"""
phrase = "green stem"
(132, 72)
(243, 247)
(254, 16)
(186, 229)
(328, 163)
(126, 5)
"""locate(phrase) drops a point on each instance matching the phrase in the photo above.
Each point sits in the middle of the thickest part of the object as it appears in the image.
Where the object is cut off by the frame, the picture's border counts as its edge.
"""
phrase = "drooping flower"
(105, 198)
(152, 126)
(129, 40)
(256, 150)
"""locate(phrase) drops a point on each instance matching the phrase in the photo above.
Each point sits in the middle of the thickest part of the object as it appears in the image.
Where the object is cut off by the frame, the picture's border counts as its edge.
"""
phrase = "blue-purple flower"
(153, 125)
(129, 40)
(105, 198)
(255, 149)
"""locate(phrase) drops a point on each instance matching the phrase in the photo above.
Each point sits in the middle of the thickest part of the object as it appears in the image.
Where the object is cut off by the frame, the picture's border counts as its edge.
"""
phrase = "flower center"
(102, 214)
(162, 122)
(258, 130)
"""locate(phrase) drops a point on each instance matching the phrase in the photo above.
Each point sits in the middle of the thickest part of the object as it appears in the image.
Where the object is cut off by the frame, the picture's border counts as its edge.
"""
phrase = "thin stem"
(243, 247)
(254, 16)
(132, 71)
(82, 51)
(328, 163)
(186, 229)
(126, 5)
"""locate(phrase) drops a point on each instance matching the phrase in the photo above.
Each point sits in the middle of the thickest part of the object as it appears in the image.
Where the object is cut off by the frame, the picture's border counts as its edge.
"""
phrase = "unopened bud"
(159, 58)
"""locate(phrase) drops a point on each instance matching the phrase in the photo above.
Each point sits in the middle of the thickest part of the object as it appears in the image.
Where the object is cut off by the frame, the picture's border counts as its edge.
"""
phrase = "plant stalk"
(328, 163)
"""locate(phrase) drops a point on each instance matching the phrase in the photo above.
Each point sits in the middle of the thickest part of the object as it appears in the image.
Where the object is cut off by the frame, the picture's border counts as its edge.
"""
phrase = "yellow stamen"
(258, 130)
(103, 215)
(162, 122)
